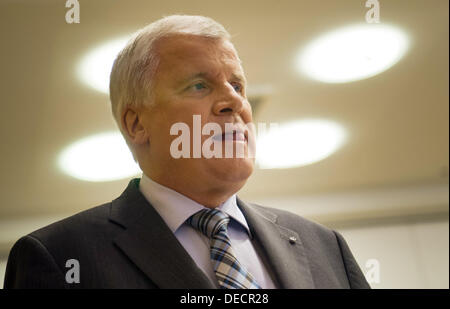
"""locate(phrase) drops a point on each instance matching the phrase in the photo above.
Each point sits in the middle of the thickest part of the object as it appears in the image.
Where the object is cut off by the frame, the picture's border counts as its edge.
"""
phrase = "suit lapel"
(152, 246)
(282, 246)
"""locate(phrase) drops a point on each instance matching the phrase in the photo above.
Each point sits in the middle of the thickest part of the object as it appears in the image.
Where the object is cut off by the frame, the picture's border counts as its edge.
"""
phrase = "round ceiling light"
(298, 143)
(95, 68)
(101, 157)
(353, 53)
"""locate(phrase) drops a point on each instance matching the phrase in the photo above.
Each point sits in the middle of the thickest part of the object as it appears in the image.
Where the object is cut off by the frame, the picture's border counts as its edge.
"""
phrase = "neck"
(208, 196)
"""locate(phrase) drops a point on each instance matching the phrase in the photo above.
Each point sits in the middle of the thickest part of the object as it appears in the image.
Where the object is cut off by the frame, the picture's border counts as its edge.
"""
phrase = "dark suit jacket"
(126, 244)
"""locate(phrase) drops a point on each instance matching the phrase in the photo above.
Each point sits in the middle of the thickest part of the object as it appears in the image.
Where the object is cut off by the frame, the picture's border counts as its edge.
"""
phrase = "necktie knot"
(210, 221)
(229, 272)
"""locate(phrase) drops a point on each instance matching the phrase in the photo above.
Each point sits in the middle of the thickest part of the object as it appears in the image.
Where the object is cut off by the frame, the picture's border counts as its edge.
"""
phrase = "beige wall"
(410, 255)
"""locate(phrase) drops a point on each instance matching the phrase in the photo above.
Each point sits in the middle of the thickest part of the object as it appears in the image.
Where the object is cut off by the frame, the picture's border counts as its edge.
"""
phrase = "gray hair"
(135, 66)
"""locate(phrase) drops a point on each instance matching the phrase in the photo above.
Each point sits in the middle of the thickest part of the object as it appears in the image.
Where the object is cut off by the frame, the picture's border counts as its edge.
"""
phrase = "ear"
(133, 127)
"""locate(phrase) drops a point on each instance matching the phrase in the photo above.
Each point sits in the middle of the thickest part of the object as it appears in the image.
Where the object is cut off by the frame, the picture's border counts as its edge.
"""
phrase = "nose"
(230, 102)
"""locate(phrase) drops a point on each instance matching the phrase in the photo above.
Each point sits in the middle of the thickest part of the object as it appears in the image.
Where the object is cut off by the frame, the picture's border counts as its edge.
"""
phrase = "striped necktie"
(229, 272)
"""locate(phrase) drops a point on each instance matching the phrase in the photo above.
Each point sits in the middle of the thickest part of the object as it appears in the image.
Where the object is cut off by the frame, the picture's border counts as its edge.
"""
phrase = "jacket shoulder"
(323, 245)
(38, 259)
(292, 221)
(93, 219)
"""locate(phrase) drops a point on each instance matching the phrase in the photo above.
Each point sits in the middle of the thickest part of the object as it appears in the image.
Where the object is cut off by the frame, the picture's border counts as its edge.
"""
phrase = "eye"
(237, 87)
(198, 86)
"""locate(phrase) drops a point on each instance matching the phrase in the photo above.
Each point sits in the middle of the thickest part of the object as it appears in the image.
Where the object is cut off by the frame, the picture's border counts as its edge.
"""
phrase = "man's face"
(198, 76)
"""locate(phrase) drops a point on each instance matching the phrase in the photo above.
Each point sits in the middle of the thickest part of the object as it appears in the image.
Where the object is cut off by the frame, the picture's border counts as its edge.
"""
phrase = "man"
(181, 225)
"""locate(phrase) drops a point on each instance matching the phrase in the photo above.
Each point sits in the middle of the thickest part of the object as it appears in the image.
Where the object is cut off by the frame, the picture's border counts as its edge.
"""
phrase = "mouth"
(236, 135)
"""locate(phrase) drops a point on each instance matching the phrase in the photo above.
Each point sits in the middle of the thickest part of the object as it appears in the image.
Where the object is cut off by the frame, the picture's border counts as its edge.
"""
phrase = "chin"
(232, 170)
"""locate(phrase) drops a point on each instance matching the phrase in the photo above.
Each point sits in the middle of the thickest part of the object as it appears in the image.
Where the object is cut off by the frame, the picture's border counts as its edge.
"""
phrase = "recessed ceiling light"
(101, 157)
(353, 53)
(298, 143)
(95, 68)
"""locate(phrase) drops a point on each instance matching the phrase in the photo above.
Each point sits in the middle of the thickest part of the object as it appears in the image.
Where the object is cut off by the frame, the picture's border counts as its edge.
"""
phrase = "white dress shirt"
(176, 208)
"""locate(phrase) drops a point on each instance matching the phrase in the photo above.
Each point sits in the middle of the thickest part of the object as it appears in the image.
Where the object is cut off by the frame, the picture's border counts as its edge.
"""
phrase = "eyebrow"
(206, 75)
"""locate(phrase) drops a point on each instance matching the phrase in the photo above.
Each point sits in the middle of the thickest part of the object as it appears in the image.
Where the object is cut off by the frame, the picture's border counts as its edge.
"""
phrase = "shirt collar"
(176, 208)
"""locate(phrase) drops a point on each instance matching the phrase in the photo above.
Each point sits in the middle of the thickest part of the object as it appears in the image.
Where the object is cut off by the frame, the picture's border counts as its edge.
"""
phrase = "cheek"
(160, 137)
(181, 112)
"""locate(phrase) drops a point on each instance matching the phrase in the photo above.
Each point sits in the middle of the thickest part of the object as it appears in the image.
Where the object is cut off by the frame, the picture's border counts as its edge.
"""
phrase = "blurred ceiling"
(398, 120)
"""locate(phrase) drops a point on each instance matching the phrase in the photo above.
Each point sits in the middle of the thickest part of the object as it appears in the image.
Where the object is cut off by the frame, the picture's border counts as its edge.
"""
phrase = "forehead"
(184, 54)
